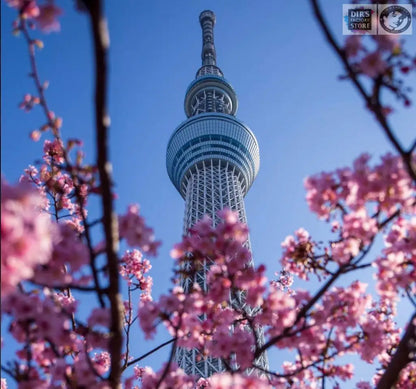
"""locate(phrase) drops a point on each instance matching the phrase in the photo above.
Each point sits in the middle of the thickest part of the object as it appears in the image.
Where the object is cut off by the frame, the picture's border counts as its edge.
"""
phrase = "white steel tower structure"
(212, 159)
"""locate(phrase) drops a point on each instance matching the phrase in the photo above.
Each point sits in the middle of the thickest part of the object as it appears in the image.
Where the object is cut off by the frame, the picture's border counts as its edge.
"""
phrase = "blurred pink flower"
(373, 65)
(47, 18)
(26, 234)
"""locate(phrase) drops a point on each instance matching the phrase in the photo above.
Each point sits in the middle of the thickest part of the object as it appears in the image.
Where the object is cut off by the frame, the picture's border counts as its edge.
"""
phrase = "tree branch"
(101, 45)
(374, 106)
(404, 354)
(44, 104)
(150, 352)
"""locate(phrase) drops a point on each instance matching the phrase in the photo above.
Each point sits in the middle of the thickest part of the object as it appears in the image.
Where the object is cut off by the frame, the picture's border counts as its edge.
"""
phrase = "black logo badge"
(359, 19)
(395, 19)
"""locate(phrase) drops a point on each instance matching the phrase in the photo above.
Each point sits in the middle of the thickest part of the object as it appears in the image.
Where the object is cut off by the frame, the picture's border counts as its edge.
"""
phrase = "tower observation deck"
(212, 159)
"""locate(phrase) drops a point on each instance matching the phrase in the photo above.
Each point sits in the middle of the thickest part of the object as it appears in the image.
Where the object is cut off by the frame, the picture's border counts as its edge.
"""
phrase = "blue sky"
(286, 79)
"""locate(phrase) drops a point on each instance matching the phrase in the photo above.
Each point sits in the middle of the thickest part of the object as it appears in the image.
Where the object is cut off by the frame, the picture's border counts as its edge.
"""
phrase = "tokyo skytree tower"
(212, 159)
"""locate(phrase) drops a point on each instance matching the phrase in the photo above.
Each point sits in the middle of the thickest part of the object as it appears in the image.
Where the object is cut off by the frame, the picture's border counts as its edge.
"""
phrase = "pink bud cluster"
(29, 102)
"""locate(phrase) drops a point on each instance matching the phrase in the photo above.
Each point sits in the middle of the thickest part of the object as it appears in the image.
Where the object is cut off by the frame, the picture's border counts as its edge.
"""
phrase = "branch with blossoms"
(382, 67)
(57, 255)
(319, 327)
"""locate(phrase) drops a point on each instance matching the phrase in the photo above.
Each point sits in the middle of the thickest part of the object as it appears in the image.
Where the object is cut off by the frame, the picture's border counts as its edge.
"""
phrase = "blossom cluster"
(44, 325)
(359, 202)
(27, 234)
(132, 227)
(45, 15)
(382, 59)
(133, 269)
(348, 320)
(386, 186)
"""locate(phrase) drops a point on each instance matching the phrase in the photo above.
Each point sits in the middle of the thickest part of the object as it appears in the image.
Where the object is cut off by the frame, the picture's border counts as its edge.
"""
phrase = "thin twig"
(44, 104)
(168, 365)
(150, 352)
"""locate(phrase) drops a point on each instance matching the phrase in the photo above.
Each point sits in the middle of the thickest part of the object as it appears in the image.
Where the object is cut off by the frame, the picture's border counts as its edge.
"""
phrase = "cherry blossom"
(174, 379)
(47, 18)
(396, 268)
(27, 234)
(132, 227)
(46, 263)
(373, 65)
(28, 8)
(237, 381)
(133, 269)
(353, 45)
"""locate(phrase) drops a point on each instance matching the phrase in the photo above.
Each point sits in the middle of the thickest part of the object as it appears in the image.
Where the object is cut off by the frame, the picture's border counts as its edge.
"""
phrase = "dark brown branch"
(404, 354)
(101, 46)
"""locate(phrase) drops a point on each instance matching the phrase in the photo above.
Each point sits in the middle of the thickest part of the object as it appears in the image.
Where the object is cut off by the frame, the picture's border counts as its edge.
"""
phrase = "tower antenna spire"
(208, 55)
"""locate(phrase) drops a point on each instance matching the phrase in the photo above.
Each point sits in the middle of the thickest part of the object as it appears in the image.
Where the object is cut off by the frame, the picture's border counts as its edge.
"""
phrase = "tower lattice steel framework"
(212, 159)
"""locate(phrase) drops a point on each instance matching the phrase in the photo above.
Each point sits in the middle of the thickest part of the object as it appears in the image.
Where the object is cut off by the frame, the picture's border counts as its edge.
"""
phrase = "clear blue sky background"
(284, 73)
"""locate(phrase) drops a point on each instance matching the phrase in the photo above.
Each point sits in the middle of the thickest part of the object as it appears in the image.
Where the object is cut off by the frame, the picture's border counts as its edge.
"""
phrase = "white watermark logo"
(377, 19)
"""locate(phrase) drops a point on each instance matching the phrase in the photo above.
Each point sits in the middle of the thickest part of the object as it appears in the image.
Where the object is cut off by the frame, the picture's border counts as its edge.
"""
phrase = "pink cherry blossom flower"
(364, 385)
(298, 257)
(373, 65)
(353, 45)
(237, 381)
(35, 135)
(69, 256)
(174, 379)
(28, 8)
(101, 362)
(396, 268)
(132, 227)
(27, 234)
(133, 269)
(99, 317)
(54, 151)
(47, 19)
